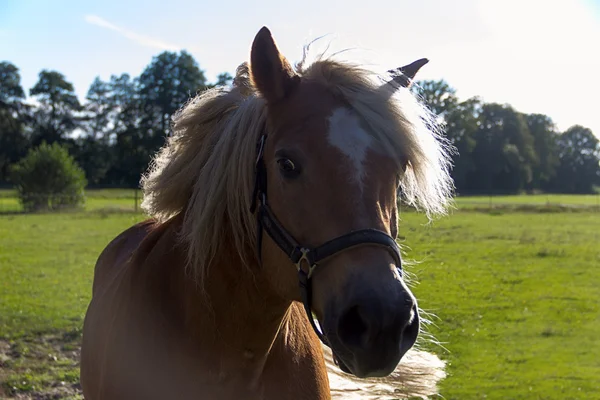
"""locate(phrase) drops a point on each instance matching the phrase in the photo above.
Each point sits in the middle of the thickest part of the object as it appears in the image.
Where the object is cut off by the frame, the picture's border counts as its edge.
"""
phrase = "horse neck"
(237, 308)
(244, 307)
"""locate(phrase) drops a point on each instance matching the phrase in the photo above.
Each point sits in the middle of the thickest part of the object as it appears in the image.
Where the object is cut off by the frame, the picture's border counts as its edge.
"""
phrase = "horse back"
(118, 252)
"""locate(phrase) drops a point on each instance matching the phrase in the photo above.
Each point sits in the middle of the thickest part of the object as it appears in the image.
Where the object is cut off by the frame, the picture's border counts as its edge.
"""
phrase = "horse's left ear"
(271, 73)
(405, 75)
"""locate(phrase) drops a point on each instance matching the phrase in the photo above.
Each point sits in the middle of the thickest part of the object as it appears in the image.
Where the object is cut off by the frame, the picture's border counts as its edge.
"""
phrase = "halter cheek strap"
(307, 259)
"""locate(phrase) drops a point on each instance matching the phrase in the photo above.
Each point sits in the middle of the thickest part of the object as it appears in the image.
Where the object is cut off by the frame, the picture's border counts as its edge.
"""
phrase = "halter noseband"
(306, 258)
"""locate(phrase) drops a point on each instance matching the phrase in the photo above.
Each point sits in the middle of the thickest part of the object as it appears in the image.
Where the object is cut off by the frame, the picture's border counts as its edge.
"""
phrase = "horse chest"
(294, 372)
(277, 377)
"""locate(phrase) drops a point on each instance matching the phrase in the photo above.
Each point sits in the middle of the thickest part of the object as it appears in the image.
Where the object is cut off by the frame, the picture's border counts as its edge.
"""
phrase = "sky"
(540, 56)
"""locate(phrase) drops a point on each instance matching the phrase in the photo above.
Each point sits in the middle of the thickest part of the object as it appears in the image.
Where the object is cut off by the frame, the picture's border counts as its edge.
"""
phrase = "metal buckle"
(311, 267)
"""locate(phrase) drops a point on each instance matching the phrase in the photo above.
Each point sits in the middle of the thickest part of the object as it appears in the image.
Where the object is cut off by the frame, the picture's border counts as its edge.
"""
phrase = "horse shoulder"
(115, 335)
(118, 251)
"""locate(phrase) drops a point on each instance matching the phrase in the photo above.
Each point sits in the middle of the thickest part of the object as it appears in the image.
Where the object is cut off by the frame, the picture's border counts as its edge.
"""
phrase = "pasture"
(514, 292)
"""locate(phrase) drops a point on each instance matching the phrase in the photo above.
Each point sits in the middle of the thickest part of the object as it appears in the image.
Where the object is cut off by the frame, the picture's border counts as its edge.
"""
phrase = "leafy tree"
(48, 178)
(126, 119)
(125, 99)
(165, 85)
(579, 155)
(439, 96)
(98, 110)
(462, 122)
(129, 138)
(13, 116)
(11, 92)
(544, 135)
(95, 158)
(504, 153)
(56, 116)
(152, 99)
(94, 152)
(223, 79)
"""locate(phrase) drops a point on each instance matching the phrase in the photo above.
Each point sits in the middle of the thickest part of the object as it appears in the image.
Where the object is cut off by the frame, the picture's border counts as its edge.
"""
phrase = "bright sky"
(538, 55)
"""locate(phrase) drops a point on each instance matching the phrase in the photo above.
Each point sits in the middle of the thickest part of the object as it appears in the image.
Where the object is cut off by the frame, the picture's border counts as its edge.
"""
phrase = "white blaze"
(346, 134)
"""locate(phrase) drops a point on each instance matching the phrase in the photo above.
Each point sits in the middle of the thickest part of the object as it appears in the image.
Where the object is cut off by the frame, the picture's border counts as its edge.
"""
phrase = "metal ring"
(304, 257)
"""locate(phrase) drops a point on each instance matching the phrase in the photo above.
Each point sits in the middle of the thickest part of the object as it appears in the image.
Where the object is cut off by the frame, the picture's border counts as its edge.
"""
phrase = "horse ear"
(271, 73)
(405, 75)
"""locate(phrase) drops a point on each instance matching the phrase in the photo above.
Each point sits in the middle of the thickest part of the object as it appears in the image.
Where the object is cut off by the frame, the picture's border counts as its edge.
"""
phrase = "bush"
(48, 178)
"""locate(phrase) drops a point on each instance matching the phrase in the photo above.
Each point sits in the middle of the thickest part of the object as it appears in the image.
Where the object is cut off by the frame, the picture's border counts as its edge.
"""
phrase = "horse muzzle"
(372, 333)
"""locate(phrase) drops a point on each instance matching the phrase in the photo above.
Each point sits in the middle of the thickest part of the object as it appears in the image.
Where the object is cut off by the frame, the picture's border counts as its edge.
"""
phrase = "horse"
(273, 217)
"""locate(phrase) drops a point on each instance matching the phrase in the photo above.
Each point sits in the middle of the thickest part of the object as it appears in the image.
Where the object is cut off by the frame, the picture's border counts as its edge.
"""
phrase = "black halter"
(306, 258)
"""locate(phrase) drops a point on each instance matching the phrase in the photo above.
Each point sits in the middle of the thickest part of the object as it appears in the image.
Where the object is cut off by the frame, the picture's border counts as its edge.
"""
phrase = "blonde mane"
(206, 169)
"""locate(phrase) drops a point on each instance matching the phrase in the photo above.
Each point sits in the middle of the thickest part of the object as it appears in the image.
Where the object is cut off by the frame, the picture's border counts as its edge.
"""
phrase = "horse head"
(328, 168)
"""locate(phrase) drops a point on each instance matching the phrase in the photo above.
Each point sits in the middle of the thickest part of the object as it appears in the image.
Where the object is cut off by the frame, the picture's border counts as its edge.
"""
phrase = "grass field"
(540, 199)
(516, 294)
(107, 200)
(129, 199)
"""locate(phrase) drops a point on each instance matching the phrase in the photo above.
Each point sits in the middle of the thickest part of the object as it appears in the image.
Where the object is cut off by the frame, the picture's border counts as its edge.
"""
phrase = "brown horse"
(274, 198)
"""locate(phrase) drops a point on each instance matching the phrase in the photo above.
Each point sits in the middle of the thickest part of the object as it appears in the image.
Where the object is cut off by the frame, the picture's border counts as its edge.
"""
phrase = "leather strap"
(313, 256)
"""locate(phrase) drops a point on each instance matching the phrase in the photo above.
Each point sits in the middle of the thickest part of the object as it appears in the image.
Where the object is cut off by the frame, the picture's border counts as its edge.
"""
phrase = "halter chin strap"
(306, 258)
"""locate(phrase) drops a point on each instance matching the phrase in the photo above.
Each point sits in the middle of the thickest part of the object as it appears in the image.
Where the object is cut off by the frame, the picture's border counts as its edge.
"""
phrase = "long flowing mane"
(205, 170)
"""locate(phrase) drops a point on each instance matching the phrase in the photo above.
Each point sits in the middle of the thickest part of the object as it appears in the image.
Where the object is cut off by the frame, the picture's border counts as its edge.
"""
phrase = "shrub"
(48, 178)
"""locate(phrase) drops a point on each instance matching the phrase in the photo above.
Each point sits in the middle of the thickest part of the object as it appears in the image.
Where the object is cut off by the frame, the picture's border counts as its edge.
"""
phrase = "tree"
(11, 92)
(544, 135)
(13, 115)
(223, 79)
(462, 122)
(165, 85)
(504, 152)
(56, 116)
(93, 147)
(124, 97)
(48, 178)
(98, 110)
(129, 139)
(579, 155)
(439, 96)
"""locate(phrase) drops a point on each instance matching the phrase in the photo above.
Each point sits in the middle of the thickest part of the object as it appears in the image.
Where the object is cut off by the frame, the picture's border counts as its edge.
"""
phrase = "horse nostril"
(366, 325)
(353, 328)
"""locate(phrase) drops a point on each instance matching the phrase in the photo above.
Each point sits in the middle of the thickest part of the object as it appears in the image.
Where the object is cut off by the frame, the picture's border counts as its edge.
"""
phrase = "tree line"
(114, 133)
(501, 150)
(124, 121)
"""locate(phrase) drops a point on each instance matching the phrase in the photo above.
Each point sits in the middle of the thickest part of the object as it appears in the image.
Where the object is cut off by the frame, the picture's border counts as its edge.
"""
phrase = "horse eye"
(288, 167)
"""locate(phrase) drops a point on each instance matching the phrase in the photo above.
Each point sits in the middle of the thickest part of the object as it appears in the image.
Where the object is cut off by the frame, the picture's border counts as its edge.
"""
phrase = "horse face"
(327, 177)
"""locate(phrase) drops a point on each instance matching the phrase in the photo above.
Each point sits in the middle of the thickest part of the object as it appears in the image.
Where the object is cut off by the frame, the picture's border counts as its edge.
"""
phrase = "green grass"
(49, 260)
(516, 294)
(517, 297)
(126, 200)
(46, 270)
(96, 199)
(538, 199)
